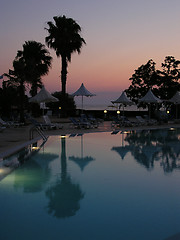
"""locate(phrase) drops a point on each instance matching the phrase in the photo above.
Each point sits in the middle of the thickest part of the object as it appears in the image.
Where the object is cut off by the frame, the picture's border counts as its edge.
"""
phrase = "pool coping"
(17, 148)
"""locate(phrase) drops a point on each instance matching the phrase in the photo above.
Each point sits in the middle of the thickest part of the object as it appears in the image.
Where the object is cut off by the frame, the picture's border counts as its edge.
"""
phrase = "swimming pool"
(96, 186)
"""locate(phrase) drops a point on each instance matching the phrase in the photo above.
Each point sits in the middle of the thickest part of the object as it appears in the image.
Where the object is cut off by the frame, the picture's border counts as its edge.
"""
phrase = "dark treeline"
(164, 82)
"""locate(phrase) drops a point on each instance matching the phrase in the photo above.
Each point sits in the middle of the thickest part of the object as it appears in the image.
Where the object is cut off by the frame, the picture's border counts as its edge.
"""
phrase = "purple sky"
(121, 35)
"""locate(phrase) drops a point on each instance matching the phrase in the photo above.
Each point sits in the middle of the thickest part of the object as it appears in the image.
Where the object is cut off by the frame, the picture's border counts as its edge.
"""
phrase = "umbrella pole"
(82, 146)
(82, 104)
(122, 144)
(149, 111)
(176, 111)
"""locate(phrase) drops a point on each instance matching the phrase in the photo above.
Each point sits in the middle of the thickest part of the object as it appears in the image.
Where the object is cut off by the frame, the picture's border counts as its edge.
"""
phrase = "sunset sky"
(121, 35)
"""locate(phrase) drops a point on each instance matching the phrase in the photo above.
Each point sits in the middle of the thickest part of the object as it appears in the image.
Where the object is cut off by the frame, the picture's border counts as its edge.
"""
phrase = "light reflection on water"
(96, 186)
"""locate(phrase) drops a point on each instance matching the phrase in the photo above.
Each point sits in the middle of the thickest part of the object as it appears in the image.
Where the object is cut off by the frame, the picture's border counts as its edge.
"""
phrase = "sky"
(120, 36)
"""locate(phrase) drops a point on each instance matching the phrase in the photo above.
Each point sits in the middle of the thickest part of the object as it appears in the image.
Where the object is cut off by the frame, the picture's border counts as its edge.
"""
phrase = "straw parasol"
(82, 91)
(43, 96)
(150, 98)
(124, 100)
(176, 100)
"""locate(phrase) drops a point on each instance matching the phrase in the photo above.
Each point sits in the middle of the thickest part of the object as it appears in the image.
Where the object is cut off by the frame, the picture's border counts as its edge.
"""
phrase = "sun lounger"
(8, 123)
(50, 124)
(141, 121)
(37, 124)
(150, 121)
(122, 122)
(93, 120)
(85, 123)
(75, 123)
(79, 124)
(90, 122)
(147, 121)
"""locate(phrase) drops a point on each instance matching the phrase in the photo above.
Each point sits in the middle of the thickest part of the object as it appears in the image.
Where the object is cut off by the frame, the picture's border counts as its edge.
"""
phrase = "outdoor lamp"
(63, 136)
(167, 111)
(59, 108)
(105, 112)
(118, 113)
(34, 148)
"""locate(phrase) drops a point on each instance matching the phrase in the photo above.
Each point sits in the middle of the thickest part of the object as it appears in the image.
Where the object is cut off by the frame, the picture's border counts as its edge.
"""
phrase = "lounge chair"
(8, 123)
(125, 122)
(50, 124)
(90, 122)
(74, 123)
(148, 122)
(85, 123)
(94, 121)
(122, 122)
(79, 124)
(141, 121)
(35, 123)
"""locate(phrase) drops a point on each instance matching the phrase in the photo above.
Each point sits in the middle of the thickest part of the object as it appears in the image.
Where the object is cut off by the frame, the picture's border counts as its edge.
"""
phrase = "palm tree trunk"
(63, 82)
(64, 75)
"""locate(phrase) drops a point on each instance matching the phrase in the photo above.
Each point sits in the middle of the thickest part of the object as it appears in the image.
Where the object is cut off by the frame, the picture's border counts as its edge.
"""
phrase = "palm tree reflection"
(161, 145)
(64, 196)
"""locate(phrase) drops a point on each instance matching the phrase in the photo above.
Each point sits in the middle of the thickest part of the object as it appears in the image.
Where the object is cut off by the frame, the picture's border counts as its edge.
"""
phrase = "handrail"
(39, 130)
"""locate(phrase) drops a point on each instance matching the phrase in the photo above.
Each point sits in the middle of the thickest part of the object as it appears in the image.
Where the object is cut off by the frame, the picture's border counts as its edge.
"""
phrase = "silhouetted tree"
(168, 77)
(8, 99)
(30, 65)
(17, 78)
(64, 37)
(69, 103)
(37, 61)
(145, 77)
(164, 82)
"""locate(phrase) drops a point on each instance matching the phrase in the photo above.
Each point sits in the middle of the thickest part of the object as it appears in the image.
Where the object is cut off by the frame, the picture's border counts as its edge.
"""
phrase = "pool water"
(96, 186)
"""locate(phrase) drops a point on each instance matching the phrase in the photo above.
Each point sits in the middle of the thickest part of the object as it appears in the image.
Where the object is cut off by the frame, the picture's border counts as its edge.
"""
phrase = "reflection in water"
(35, 173)
(153, 145)
(64, 196)
(123, 149)
(81, 161)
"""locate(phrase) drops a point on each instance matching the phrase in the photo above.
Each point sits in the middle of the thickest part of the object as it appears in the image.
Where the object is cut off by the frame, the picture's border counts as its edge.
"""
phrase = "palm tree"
(29, 65)
(64, 37)
(17, 79)
(37, 61)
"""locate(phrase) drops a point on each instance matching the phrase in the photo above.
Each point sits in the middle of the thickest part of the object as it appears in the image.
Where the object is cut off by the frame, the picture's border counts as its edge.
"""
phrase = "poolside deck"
(14, 137)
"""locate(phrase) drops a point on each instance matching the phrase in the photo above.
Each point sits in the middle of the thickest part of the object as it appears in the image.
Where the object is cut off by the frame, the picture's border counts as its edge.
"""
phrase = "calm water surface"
(96, 187)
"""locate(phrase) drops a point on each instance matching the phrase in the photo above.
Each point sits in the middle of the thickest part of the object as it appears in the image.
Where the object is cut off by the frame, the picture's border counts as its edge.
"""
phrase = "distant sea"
(102, 101)
(109, 107)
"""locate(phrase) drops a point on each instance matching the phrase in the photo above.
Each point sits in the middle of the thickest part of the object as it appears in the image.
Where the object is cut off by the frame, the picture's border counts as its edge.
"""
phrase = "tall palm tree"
(37, 61)
(64, 37)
